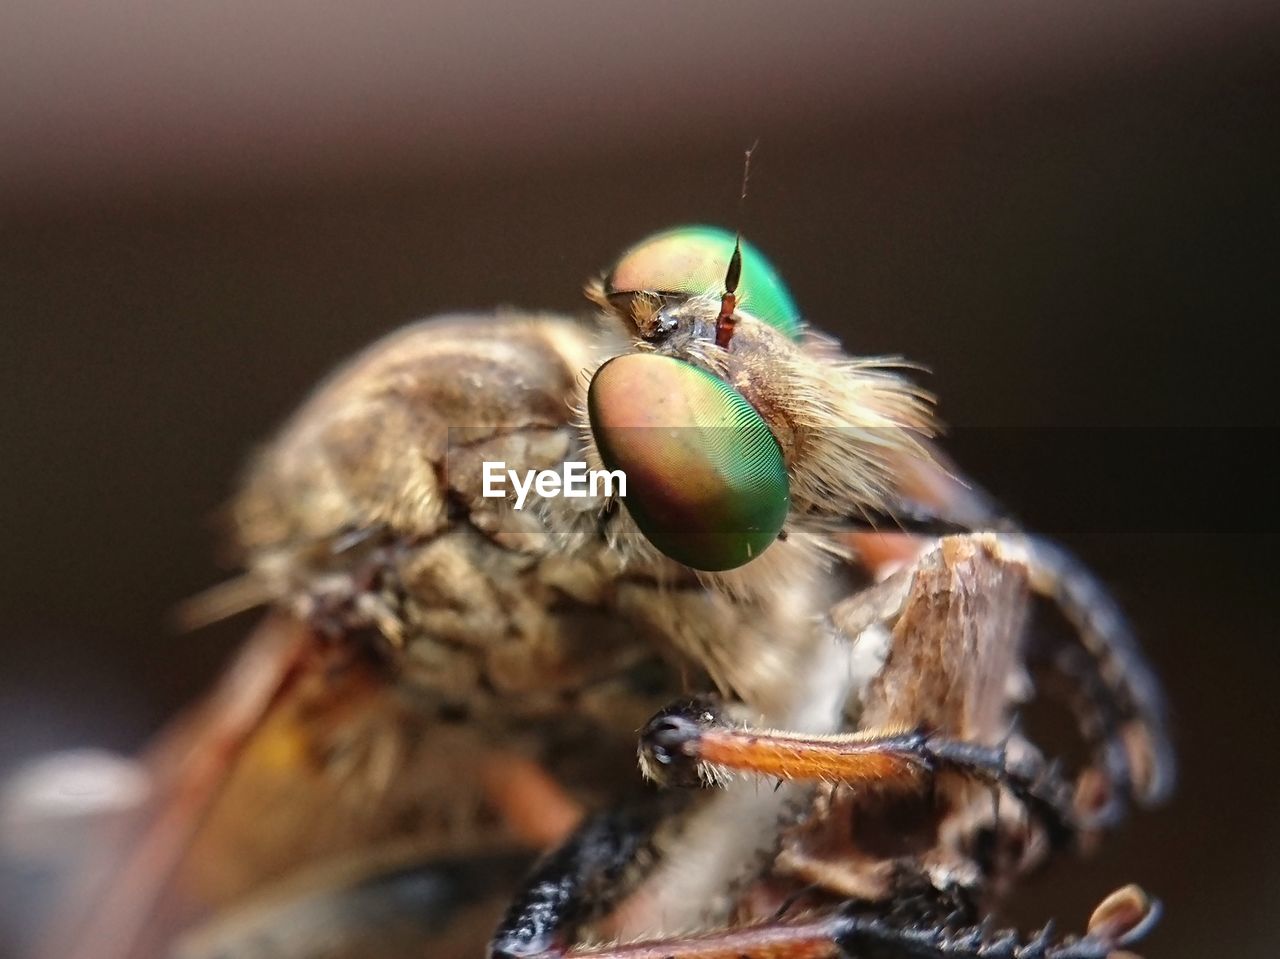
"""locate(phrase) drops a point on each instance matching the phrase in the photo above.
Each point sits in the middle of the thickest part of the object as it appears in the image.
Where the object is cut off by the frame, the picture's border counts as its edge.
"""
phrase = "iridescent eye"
(692, 260)
(706, 482)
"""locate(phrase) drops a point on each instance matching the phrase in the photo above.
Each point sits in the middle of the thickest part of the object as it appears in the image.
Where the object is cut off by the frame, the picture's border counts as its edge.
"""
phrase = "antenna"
(725, 321)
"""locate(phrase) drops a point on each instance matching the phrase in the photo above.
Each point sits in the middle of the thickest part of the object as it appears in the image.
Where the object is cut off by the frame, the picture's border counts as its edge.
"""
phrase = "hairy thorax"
(366, 513)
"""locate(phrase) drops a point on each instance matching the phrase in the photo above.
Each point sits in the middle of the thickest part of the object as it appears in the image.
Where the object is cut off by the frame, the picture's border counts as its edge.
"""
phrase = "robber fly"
(817, 626)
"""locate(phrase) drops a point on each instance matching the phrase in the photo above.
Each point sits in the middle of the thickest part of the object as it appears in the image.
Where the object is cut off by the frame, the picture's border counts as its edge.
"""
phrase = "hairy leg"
(692, 743)
(1116, 695)
(1123, 918)
(600, 862)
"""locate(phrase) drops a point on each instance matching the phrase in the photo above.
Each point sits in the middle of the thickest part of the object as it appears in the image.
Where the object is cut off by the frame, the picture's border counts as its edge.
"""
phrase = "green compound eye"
(706, 482)
(692, 260)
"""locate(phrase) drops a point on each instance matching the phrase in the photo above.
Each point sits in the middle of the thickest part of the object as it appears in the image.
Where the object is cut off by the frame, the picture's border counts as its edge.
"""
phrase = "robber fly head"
(730, 418)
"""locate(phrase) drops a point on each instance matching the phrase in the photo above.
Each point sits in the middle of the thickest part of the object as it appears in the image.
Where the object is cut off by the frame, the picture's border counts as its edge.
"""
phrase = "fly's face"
(736, 423)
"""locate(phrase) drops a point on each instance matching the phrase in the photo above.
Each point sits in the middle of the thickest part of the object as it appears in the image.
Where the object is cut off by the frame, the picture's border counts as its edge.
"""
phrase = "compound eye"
(692, 261)
(706, 482)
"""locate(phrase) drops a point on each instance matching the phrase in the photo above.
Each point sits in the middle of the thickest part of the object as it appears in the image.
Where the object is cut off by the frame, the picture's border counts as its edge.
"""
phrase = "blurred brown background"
(1068, 211)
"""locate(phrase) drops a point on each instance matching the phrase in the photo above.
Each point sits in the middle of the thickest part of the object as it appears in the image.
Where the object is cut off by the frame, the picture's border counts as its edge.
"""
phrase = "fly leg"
(692, 743)
(1122, 919)
(852, 932)
(1117, 696)
(597, 866)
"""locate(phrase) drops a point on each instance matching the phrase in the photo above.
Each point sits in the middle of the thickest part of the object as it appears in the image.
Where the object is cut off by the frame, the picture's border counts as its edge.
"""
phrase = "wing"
(305, 754)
